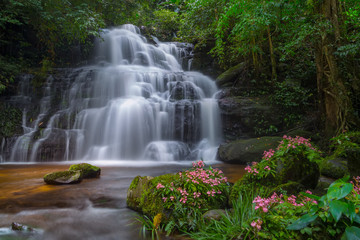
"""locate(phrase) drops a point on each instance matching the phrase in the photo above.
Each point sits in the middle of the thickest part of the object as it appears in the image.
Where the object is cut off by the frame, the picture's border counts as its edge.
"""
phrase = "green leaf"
(339, 190)
(357, 218)
(337, 208)
(302, 222)
(352, 233)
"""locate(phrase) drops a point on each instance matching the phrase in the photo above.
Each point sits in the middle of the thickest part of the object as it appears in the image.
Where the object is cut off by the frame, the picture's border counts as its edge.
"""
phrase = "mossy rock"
(353, 160)
(333, 167)
(87, 170)
(297, 169)
(290, 188)
(141, 196)
(246, 150)
(230, 76)
(63, 177)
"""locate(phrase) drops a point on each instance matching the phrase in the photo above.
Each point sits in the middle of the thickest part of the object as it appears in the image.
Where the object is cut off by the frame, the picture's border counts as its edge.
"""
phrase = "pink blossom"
(257, 224)
(159, 185)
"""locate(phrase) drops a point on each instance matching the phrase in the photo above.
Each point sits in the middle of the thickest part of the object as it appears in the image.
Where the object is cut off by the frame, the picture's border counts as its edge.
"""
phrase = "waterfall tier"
(135, 103)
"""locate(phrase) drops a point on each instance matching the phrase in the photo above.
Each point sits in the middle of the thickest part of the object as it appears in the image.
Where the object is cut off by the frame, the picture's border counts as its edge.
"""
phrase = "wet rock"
(87, 170)
(247, 116)
(246, 150)
(19, 227)
(215, 214)
(63, 177)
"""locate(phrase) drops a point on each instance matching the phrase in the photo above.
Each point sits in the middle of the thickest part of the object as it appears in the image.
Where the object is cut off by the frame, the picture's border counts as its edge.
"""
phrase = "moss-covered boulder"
(297, 169)
(353, 161)
(334, 167)
(246, 150)
(63, 177)
(87, 170)
(141, 195)
(169, 194)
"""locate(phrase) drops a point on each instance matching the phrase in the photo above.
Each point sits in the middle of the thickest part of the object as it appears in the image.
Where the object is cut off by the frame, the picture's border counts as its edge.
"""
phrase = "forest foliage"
(313, 44)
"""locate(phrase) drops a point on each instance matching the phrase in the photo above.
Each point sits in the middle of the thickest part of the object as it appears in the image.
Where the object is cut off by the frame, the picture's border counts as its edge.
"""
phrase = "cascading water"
(135, 103)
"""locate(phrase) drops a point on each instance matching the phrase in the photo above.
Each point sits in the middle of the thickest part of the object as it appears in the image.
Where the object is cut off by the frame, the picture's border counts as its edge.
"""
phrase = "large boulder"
(87, 170)
(247, 116)
(334, 167)
(63, 177)
(141, 197)
(245, 151)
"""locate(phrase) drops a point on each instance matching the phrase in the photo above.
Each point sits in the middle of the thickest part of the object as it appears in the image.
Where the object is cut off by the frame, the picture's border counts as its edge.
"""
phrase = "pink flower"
(257, 224)
(159, 185)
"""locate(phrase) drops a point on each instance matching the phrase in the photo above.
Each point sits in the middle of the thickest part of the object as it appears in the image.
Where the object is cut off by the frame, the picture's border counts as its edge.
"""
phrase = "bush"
(295, 159)
(185, 196)
(166, 24)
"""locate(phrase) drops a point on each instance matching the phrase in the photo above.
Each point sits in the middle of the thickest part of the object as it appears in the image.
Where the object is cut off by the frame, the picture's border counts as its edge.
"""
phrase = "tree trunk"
(333, 99)
(272, 56)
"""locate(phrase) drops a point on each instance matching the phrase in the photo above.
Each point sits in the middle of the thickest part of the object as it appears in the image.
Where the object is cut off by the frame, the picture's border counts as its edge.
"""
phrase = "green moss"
(290, 188)
(134, 182)
(87, 170)
(333, 167)
(150, 203)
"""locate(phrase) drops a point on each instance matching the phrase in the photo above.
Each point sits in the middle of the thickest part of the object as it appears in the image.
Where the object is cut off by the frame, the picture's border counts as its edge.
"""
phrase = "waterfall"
(135, 103)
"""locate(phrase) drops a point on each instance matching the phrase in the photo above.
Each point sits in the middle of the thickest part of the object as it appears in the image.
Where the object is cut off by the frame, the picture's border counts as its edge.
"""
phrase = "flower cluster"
(195, 187)
(264, 204)
(257, 224)
(252, 170)
(198, 164)
(268, 154)
(290, 142)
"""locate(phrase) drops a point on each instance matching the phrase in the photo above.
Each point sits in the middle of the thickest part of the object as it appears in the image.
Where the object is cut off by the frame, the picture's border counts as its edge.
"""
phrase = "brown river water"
(95, 209)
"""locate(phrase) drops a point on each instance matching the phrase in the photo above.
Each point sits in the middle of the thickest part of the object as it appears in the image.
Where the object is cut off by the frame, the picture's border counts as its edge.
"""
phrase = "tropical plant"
(335, 214)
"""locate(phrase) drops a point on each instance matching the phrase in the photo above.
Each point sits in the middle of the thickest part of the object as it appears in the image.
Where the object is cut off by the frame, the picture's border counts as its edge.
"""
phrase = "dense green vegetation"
(271, 201)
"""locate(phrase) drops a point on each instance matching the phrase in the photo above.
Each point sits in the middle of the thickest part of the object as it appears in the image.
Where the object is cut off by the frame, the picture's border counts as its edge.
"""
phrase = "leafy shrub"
(166, 24)
(335, 214)
(291, 100)
(344, 142)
